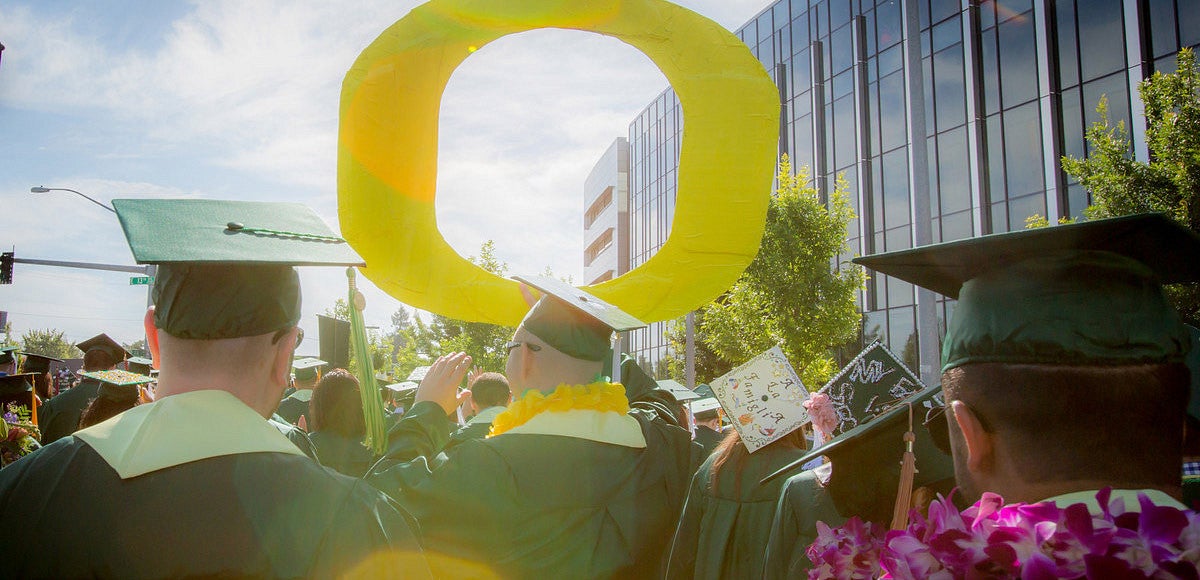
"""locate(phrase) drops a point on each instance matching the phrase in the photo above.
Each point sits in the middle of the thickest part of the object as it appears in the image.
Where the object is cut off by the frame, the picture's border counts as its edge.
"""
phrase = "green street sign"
(141, 280)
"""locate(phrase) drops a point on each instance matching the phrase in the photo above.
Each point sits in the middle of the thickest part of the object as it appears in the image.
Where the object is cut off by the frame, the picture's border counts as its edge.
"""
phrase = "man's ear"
(281, 362)
(980, 446)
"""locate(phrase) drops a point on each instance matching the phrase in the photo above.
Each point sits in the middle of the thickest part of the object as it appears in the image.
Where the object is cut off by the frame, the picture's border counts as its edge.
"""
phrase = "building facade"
(1008, 89)
(606, 215)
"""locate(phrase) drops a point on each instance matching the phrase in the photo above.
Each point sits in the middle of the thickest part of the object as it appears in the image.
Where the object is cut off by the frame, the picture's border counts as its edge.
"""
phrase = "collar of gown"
(599, 426)
(180, 429)
(487, 415)
(1130, 496)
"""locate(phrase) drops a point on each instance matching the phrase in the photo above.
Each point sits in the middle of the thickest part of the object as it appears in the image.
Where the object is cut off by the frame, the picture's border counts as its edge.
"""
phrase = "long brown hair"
(731, 453)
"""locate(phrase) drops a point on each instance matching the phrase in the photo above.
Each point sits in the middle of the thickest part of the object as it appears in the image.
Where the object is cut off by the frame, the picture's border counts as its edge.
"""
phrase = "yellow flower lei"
(601, 396)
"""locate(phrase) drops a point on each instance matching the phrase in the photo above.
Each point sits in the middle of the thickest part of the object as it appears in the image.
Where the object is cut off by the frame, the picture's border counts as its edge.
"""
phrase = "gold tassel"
(908, 468)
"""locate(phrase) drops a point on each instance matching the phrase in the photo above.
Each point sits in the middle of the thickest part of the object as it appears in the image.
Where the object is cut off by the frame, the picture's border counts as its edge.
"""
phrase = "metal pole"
(690, 351)
(84, 265)
(918, 180)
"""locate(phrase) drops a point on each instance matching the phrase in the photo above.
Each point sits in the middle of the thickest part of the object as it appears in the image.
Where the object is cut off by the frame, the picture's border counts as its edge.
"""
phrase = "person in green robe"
(708, 434)
(1064, 364)
(727, 517)
(307, 371)
(490, 396)
(861, 479)
(582, 478)
(199, 483)
(59, 416)
(337, 427)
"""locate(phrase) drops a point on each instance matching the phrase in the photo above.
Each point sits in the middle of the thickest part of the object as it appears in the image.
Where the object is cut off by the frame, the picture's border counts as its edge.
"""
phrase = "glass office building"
(1009, 88)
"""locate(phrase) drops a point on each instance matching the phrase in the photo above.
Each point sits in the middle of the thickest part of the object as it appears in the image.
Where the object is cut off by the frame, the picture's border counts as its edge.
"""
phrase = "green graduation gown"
(803, 501)
(528, 505)
(59, 416)
(294, 405)
(723, 528)
(257, 508)
(345, 454)
(708, 440)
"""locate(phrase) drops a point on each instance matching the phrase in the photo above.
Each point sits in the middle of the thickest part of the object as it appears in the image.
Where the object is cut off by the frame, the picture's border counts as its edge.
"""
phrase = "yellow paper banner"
(387, 154)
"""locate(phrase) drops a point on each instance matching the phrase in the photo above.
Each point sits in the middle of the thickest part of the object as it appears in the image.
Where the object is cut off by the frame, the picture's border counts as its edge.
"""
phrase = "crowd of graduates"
(1065, 379)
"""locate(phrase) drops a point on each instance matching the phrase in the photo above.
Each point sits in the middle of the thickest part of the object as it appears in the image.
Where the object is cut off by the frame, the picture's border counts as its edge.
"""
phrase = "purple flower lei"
(1027, 541)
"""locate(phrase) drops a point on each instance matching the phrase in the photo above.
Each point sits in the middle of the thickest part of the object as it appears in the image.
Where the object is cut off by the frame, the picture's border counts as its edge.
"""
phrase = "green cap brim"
(1050, 295)
(226, 267)
(574, 322)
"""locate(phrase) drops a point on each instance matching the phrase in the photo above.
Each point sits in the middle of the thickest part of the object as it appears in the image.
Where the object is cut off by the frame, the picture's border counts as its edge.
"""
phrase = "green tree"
(709, 365)
(8, 337)
(1170, 182)
(484, 342)
(794, 294)
(49, 342)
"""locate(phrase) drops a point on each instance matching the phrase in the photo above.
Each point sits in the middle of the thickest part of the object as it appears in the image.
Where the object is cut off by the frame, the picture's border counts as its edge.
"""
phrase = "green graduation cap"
(705, 390)
(7, 355)
(681, 393)
(118, 386)
(306, 369)
(37, 363)
(1087, 293)
(139, 364)
(104, 342)
(573, 321)
(226, 268)
(705, 408)
(418, 373)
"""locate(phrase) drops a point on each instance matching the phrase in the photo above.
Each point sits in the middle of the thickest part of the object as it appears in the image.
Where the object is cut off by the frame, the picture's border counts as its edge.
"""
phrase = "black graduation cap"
(880, 440)
(104, 342)
(37, 363)
(573, 321)
(7, 355)
(226, 268)
(1085, 293)
(16, 389)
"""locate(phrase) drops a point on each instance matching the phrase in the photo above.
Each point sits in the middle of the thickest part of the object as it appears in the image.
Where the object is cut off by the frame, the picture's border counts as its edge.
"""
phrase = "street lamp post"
(40, 189)
(150, 269)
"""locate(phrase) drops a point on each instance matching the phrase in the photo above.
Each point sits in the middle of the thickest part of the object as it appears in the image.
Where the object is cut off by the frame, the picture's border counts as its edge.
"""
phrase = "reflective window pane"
(844, 149)
(841, 49)
(956, 226)
(1100, 33)
(946, 34)
(892, 111)
(940, 9)
(995, 159)
(1023, 149)
(888, 23)
(895, 188)
(1018, 61)
(1162, 26)
(950, 93)
(990, 72)
(1068, 62)
(953, 171)
(1117, 90)
(1072, 123)
(1023, 207)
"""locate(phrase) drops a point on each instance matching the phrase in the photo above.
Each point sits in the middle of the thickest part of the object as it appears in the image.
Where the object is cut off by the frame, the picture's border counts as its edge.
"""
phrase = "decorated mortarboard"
(573, 321)
(1085, 293)
(869, 385)
(681, 393)
(37, 363)
(7, 355)
(418, 373)
(763, 398)
(118, 385)
(104, 342)
(306, 369)
(704, 407)
(140, 365)
(226, 267)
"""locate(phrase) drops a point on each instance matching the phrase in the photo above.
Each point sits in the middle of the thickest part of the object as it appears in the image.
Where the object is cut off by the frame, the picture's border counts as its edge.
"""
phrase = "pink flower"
(822, 413)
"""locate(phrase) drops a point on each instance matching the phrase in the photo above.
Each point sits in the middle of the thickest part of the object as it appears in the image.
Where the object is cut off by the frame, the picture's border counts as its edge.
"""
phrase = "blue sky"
(228, 99)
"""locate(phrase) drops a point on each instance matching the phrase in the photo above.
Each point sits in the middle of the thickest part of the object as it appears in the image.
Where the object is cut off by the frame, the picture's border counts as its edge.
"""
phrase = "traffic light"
(6, 265)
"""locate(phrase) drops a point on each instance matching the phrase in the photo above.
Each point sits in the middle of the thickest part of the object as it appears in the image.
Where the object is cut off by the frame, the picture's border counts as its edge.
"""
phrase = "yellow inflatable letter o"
(387, 153)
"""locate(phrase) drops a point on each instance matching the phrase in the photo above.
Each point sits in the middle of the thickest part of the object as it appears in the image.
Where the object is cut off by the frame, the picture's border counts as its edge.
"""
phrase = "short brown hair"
(491, 390)
(1120, 424)
(336, 406)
